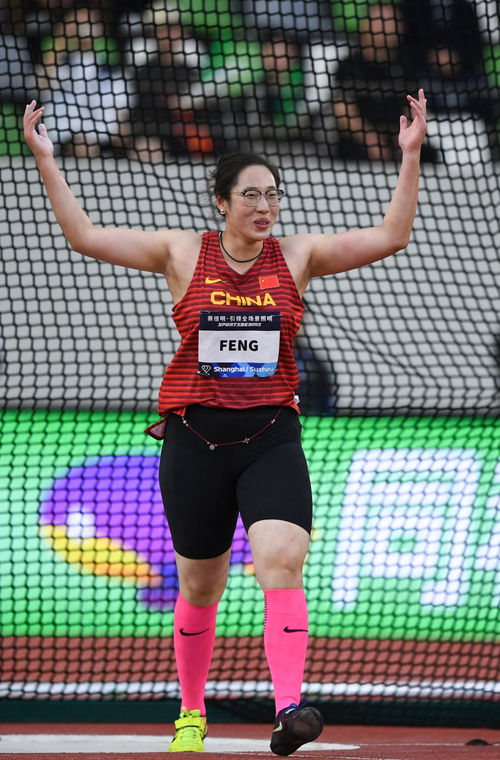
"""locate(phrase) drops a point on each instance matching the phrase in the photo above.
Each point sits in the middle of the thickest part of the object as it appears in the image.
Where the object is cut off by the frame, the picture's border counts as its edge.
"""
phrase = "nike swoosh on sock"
(193, 633)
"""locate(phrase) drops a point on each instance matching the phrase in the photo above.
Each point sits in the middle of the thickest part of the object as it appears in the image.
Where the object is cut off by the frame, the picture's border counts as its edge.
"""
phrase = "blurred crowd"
(149, 79)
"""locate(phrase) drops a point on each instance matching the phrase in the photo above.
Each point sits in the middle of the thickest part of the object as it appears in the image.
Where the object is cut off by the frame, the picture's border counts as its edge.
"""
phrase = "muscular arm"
(330, 254)
(349, 250)
(137, 249)
(144, 250)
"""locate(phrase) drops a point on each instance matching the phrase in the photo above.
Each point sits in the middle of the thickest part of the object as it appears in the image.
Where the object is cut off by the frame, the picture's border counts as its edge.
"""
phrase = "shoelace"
(188, 733)
(294, 706)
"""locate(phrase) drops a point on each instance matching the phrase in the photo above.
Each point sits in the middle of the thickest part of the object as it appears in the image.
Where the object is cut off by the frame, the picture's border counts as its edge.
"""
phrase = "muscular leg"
(202, 582)
(279, 549)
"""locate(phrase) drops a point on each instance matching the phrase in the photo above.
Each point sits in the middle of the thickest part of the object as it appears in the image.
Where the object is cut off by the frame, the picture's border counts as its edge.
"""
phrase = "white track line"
(95, 743)
(474, 689)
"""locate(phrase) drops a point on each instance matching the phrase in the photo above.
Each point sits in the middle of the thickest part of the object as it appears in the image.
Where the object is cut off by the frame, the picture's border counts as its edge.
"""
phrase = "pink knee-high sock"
(194, 638)
(285, 642)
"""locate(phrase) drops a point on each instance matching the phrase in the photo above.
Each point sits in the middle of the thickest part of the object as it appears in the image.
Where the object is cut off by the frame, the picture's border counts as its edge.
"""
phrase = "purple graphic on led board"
(106, 517)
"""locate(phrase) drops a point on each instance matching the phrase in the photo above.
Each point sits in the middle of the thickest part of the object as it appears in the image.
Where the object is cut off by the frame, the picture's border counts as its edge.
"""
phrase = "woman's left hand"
(412, 133)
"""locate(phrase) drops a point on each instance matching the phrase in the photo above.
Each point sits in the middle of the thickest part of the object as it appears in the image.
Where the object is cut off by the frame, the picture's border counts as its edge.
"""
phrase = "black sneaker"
(294, 726)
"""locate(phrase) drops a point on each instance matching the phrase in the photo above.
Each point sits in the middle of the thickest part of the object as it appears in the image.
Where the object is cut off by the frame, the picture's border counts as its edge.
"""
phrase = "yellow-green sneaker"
(190, 730)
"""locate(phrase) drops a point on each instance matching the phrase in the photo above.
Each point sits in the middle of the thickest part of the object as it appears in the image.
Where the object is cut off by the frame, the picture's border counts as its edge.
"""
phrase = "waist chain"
(212, 446)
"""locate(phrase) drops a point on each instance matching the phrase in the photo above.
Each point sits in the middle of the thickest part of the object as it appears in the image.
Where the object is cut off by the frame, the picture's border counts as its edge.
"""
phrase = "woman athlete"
(229, 413)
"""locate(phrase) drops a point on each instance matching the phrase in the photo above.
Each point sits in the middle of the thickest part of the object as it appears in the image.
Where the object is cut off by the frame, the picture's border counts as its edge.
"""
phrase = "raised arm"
(137, 249)
(330, 254)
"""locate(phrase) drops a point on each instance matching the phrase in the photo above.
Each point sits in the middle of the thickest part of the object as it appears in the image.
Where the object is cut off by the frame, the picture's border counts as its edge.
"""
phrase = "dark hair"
(226, 173)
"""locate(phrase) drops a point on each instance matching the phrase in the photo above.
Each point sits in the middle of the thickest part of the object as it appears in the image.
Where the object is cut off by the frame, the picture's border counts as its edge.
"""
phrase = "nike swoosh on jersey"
(212, 280)
(294, 630)
(193, 633)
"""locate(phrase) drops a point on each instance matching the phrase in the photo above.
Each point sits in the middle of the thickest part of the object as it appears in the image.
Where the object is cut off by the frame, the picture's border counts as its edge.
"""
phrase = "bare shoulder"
(297, 253)
(181, 242)
(184, 249)
(296, 245)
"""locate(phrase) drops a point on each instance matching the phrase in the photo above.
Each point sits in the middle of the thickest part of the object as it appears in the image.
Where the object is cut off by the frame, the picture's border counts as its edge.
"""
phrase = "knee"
(286, 560)
(279, 549)
(202, 582)
(280, 569)
(202, 592)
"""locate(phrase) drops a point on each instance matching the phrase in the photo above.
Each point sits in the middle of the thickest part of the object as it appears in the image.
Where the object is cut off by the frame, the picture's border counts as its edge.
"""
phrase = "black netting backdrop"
(399, 361)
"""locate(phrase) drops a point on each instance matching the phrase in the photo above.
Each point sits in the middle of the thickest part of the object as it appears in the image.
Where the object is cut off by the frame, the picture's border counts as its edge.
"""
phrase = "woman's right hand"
(38, 141)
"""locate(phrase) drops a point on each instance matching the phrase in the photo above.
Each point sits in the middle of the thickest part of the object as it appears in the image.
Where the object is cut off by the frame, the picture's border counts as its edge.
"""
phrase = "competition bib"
(238, 343)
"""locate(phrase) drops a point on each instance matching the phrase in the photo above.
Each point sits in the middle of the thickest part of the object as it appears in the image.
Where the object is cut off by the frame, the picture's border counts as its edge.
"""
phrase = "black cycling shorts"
(204, 490)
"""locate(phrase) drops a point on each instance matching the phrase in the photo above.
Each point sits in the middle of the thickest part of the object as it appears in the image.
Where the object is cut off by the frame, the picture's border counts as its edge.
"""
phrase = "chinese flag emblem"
(271, 281)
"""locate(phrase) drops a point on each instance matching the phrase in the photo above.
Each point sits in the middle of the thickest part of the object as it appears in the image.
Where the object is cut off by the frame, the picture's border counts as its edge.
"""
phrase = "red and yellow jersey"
(237, 334)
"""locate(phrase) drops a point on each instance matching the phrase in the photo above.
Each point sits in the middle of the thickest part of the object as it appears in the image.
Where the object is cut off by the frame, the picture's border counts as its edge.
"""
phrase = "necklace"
(240, 261)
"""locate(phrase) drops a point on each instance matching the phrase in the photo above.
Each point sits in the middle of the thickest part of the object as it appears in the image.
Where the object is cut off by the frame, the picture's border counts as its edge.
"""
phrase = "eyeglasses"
(252, 197)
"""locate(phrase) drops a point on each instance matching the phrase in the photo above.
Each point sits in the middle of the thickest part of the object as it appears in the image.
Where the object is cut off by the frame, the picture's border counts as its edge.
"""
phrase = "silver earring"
(221, 212)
